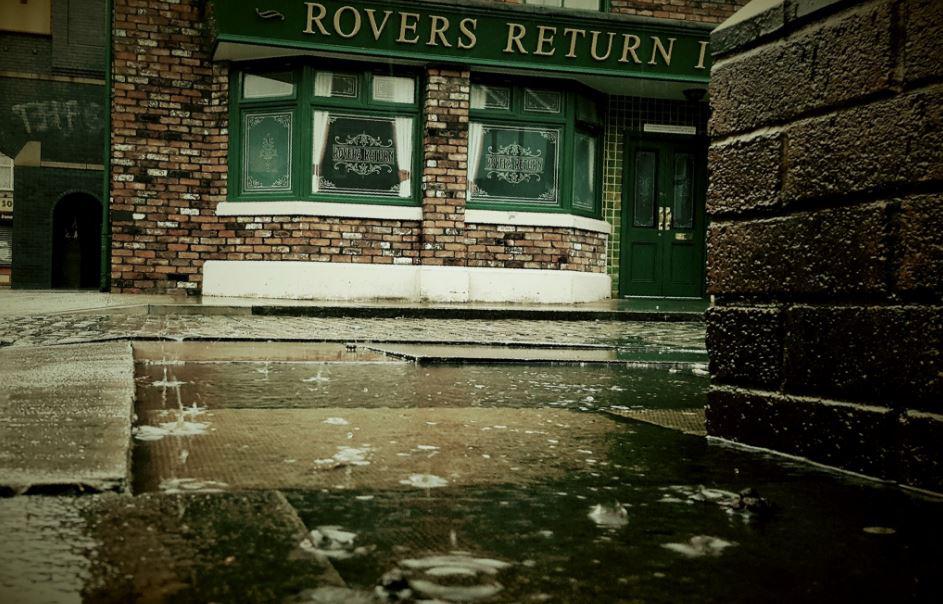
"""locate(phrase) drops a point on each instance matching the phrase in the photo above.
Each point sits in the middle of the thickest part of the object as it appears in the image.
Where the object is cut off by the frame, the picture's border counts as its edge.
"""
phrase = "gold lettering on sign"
(630, 44)
(377, 28)
(315, 20)
(660, 48)
(516, 33)
(594, 51)
(408, 23)
(338, 15)
(703, 54)
(468, 27)
(545, 37)
(569, 31)
(440, 25)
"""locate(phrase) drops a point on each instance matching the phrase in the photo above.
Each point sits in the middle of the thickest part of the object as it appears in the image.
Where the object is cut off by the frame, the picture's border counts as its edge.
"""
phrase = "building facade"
(52, 142)
(483, 151)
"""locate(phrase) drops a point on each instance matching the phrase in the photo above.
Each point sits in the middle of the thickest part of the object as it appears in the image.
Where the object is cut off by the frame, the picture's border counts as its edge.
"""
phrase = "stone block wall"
(825, 252)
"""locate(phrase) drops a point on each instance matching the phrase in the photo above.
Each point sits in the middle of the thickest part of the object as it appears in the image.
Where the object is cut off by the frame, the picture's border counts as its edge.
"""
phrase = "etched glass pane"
(337, 85)
(584, 172)
(682, 209)
(514, 164)
(584, 4)
(268, 85)
(542, 101)
(394, 89)
(490, 97)
(644, 215)
(362, 155)
(266, 153)
(6, 244)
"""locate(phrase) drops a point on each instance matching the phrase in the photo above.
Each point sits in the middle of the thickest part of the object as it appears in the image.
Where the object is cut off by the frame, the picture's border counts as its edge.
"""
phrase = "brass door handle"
(667, 218)
(661, 219)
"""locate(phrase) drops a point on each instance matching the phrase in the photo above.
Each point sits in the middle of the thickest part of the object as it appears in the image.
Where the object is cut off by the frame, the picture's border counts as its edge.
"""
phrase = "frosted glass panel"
(394, 89)
(269, 85)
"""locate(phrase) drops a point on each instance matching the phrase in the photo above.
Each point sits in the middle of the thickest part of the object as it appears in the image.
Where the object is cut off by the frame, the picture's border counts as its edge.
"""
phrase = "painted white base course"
(332, 281)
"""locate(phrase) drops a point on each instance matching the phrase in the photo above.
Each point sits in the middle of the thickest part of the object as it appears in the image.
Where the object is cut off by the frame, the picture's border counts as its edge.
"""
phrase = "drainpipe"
(105, 284)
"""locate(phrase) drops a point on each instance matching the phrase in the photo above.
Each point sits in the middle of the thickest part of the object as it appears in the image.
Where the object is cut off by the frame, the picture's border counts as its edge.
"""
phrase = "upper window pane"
(542, 101)
(267, 152)
(362, 155)
(269, 85)
(513, 164)
(392, 89)
(490, 97)
(337, 85)
(584, 172)
(34, 17)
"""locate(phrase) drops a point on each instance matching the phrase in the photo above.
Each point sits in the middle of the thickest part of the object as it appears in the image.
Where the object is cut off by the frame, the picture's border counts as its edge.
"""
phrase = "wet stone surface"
(65, 418)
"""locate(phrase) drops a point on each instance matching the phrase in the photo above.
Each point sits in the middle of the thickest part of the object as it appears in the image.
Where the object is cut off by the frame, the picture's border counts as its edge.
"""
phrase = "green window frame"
(325, 132)
(534, 147)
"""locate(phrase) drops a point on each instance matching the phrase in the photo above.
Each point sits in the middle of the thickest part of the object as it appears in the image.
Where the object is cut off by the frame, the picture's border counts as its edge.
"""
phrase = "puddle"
(508, 483)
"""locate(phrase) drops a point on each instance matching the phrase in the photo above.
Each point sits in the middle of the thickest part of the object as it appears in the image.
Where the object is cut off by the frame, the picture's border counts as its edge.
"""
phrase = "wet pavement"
(65, 418)
(303, 459)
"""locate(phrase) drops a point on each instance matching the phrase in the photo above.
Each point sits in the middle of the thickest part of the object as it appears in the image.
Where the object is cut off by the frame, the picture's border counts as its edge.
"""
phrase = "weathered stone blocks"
(855, 437)
(867, 148)
(745, 345)
(836, 251)
(923, 39)
(879, 354)
(920, 268)
(745, 175)
(843, 58)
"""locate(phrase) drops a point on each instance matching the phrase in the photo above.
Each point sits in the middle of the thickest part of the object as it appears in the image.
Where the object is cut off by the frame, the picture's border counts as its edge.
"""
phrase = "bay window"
(533, 148)
(315, 133)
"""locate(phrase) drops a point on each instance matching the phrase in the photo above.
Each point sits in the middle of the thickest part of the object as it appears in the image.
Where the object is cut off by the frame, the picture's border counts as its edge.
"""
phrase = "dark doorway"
(76, 242)
(663, 221)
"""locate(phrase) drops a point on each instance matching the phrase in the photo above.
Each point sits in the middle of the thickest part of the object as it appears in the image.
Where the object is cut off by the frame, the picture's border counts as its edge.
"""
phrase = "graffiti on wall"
(68, 117)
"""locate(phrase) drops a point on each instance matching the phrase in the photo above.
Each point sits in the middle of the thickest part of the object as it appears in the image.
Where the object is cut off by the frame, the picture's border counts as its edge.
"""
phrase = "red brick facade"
(169, 152)
(703, 11)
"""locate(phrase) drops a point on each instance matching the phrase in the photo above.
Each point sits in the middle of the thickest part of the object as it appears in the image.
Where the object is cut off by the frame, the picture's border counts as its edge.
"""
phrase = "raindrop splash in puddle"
(700, 546)
(611, 517)
(424, 481)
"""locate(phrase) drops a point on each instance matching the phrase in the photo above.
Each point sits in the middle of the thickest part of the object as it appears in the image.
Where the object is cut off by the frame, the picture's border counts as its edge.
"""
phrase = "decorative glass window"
(266, 86)
(490, 97)
(543, 101)
(266, 151)
(682, 205)
(353, 133)
(528, 150)
(362, 155)
(584, 172)
(6, 245)
(646, 163)
(514, 163)
(337, 85)
(6, 173)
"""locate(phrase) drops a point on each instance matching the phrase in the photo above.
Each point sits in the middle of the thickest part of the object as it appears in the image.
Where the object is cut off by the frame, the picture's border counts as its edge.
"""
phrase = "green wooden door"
(662, 251)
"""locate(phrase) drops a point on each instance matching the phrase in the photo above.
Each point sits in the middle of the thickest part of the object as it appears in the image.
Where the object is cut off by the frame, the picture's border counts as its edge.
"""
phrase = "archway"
(76, 242)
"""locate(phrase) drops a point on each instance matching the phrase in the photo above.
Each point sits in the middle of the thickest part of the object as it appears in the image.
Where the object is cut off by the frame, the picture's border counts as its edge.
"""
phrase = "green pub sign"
(472, 34)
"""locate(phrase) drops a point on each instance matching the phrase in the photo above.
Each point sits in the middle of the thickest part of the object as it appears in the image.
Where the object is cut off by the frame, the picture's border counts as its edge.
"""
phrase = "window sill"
(537, 219)
(318, 208)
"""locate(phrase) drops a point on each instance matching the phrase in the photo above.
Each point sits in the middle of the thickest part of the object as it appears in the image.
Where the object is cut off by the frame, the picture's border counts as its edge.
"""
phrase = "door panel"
(663, 218)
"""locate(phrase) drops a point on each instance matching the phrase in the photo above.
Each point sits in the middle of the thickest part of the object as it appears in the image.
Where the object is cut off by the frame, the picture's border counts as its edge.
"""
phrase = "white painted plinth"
(334, 281)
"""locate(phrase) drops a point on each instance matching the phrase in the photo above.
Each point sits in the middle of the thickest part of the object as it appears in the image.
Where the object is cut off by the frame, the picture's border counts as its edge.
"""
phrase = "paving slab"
(367, 448)
(428, 354)
(65, 418)
(181, 548)
(689, 421)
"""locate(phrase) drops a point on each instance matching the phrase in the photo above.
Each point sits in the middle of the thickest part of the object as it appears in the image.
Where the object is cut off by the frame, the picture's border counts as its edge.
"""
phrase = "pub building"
(436, 150)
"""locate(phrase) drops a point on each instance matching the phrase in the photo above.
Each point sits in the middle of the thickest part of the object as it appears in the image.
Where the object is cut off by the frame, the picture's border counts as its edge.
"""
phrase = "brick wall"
(704, 11)
(825, 252)
(169, 169)
(445, 161)
(501, 246)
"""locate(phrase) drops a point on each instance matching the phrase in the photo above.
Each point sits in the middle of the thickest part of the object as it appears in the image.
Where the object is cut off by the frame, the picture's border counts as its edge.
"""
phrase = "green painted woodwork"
(491, 35)
(664, 221)
(290, 111)
(533, 153)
